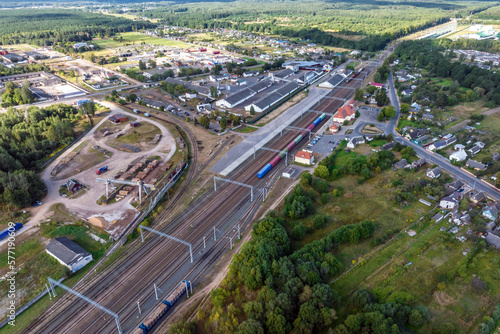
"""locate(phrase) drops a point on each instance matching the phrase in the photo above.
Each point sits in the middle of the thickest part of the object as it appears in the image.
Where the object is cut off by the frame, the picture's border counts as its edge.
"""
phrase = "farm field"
(136, 38)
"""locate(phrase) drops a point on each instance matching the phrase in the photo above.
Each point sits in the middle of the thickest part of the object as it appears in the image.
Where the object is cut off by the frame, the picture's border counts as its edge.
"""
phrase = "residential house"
(416, 106)
(68, 253)
(304, 157)
(474, 150)
(415, 133)
(407, 92)
(459, 147)
(73, 186)
(448, 203)
(493, 240)
(477, 197)
(334, 128)
(475, 165)
(418, 163)
(346, 113)
(401, 164)
(437, 145)
(458, 155)
(491, 210)
(355, 141)
(490, 226)
(388, 146)
(454, 186)
(434, 173)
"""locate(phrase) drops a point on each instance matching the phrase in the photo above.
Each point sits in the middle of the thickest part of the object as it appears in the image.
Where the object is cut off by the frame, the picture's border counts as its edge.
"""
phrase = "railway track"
(119, 287)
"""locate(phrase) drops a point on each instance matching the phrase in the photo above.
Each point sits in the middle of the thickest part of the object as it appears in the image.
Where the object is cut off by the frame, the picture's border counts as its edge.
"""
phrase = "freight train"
(289, 147)
(166, 305)
(7, 231)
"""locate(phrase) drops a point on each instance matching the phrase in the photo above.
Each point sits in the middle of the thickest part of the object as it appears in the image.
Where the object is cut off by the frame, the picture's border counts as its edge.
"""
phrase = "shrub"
(298, 231)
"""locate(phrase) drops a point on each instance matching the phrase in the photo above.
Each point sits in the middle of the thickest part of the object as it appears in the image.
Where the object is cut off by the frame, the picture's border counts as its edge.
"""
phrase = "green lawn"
(442, 81)
(246, 129)
(378, 142)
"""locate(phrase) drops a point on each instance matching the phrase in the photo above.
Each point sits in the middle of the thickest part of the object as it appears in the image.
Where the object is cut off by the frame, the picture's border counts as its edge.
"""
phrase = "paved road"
(472, 180)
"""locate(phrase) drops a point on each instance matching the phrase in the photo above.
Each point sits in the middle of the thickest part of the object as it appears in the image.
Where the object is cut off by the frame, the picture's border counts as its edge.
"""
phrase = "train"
(289, 147)
(165, 305)
(15, 227)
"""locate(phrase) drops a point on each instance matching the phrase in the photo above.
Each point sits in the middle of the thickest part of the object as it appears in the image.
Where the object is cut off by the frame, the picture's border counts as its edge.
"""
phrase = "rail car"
(160, 311)
(289, 147)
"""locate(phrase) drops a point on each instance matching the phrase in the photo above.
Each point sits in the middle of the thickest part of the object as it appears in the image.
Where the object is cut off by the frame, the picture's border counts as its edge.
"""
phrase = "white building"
(460, 155)
(68, 253)
(305, 157)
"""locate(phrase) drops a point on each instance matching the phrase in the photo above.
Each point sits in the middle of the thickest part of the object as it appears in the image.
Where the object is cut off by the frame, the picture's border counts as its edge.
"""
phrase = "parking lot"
(369, 114)
(325, 145)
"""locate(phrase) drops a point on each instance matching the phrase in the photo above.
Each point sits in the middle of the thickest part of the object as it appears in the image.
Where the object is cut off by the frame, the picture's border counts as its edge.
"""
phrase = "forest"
(366, 25)
(50, 27)
(27, 139)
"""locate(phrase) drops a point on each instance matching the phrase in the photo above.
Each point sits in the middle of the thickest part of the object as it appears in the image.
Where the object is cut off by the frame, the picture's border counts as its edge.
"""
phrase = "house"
(68, 253)
(346, 113)
(334, 128)
(448, 203)
(407, 92)
(459, 147)
(73, 186)
(437, 145)
(495, 156)
(454, 186)
(491, 210)
(79, 45)
(480, 144)
(250, 74)
(117, 118)
(304, 157)
(434, 173)
(191, 95)
(388, 146)
(475, 165)
(355, 141)
(415, 133)
(478, 197)
(134, 124)
(418, 163)
(474, 150)
(401, 164)
(428, 117)
(416, 106)
(493, 240)
(490, 226)
(458, 155)
(378, 85)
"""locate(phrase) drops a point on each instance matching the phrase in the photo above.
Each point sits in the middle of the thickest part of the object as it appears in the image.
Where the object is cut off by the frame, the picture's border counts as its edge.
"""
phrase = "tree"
(252, 110)
(142, 65)
(358, 94)
(89, 108)
(217, 69)
(204, 121)
(404, 108)
(131, 97)
(238, 71)
(298, 231)
(322, 172)
(26, 94)
(223, 123)
(213, 92)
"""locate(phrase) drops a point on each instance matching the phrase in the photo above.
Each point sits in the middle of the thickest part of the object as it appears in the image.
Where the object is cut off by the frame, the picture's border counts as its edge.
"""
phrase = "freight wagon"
(6, 232)
(165, 305)
(289, 147)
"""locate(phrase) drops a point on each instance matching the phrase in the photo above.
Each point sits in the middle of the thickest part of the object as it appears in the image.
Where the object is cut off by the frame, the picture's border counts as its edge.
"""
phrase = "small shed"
(134, 124)
(73, 186)
(118, 118)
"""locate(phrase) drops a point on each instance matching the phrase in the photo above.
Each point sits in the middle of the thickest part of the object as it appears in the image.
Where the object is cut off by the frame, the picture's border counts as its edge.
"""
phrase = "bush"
(325, 198)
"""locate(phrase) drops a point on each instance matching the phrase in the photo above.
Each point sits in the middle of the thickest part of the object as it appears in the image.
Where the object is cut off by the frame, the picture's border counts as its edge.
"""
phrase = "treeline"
(293, 290)
(379, 23)
(429, 54)
(26, 140)
(57, 27)
(4, 70)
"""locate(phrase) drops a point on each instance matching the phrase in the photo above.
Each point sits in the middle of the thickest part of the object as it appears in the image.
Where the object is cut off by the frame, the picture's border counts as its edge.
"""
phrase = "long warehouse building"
(244, 94)
(277, 95)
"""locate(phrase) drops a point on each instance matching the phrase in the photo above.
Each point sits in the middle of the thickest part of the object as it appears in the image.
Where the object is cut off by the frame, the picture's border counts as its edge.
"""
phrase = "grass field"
(140, 137)
(136, 38)
(491, 123)
(246, 129)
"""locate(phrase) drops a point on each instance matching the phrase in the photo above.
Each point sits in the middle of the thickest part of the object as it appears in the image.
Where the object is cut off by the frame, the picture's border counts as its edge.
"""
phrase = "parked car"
(39, 202)
(136, 111)
(147, 114)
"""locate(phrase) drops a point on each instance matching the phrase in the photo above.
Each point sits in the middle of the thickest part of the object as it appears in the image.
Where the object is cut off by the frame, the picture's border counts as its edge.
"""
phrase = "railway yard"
(211, 223)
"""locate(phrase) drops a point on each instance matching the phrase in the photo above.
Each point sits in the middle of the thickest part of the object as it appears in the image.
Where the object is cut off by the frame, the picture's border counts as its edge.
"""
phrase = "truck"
(101, 170)
(9, 229)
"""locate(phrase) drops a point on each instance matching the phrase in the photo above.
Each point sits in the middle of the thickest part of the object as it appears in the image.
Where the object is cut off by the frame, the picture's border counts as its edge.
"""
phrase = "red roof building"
(346, 113)
(334, 128)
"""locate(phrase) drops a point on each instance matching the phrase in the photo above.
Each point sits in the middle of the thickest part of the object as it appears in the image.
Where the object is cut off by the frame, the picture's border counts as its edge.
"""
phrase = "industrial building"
(68, 253)
(244, 94)
(277, 95)
(333, 82)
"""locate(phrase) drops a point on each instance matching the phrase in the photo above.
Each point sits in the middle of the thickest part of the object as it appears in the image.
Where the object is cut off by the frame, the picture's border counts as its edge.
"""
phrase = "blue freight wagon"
(6, 232)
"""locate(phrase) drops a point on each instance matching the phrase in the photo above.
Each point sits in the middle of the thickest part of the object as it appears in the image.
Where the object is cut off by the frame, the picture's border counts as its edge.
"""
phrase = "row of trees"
(13, 96)
(26, 140)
